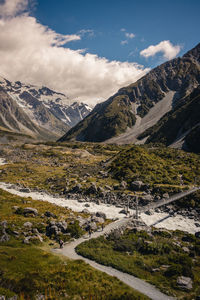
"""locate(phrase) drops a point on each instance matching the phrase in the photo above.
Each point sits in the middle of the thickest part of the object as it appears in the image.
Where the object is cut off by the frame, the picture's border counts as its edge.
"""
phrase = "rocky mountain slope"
(13, 118)
(48, 114)
(139, 106)
(180, 127)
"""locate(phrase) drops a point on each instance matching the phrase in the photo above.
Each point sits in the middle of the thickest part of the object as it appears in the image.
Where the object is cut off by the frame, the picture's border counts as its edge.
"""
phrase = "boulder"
(26, 240)
(197, 234)
(85, 211)
(93, 226)
(35, 230)
(92, 189)
(184, 283)
(186, 250)
(40, 297)
(97, 219)
(15, 207)
(4, 238)
(101, 215)
(123, 211)
(137, 185)
(123, 184)
(166, 195)
(77, 188)
(30, 210)
(28, 224)
(107, 187)
(52, 223)
(82, 221)
(4, 224)
(144, 200)
(49, 214)
(62, 226)
(24, 190)
(38, 236)
(53, 230)
(149, 212)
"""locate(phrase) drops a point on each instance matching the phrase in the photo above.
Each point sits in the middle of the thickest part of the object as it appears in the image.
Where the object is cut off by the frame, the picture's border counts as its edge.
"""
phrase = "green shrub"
(173, 270)
(124, 246)
(75, 230)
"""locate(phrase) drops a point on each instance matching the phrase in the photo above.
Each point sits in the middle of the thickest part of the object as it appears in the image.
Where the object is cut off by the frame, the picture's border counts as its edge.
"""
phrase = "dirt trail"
(140, 285)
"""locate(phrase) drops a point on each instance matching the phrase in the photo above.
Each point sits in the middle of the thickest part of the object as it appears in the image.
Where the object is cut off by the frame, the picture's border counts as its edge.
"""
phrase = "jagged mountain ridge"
(165, 85)
(13, 118)
(49, 111)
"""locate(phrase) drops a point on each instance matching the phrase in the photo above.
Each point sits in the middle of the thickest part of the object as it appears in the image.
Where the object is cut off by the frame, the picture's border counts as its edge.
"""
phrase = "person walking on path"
(102, 226)
(61, 243)
(90, 232)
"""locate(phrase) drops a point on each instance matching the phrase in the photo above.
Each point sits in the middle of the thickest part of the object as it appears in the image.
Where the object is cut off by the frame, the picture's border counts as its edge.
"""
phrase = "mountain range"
(163, 106)
(37, 111)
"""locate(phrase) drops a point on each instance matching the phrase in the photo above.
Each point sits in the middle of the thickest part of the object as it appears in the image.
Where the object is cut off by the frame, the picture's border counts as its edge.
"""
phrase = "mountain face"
(50, 114)
(13, 118)
(139, 106)
(180, 127)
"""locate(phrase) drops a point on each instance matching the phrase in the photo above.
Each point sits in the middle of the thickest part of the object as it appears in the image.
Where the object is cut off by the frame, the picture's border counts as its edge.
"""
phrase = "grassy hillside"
(158, 257)
(60, 168)
(32, 269)
(106, 120)
(155, 165)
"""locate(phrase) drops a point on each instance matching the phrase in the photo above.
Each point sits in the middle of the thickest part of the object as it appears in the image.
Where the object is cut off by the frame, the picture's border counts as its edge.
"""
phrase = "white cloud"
(124, 42)
(12, 7)
(129, 35)
(33, 53)
(88, 32)
(169, 51)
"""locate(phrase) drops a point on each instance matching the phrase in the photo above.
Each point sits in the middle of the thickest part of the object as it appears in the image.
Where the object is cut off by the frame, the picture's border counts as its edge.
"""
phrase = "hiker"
(102, 226)
(90, 232)
(61, 243)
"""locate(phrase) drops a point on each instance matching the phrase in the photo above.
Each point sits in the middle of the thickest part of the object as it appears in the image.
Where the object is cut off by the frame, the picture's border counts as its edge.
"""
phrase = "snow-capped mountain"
(50, 110)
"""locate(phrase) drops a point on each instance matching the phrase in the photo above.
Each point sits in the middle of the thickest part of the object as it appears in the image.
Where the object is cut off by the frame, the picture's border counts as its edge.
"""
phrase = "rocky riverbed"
(157, 219)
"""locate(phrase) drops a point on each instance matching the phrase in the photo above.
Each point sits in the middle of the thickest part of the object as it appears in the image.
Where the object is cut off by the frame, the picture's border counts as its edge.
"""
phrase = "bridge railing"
(168, 200)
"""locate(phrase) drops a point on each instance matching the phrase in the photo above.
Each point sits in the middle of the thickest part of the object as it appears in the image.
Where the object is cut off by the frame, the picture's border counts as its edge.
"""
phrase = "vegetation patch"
(32, 269)
(159, 257)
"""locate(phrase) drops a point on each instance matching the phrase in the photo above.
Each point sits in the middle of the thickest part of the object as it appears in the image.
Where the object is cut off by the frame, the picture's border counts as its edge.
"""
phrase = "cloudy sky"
(88, 49)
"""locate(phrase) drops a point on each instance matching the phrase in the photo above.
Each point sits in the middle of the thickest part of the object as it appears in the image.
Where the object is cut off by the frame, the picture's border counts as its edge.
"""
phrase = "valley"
(59, 190)
(100, 201)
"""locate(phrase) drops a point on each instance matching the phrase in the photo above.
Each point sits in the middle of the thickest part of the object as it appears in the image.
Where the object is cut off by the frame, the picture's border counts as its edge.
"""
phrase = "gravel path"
(134, 282)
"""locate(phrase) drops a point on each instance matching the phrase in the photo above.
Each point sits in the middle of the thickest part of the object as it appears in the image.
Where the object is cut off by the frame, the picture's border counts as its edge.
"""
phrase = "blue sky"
(152, 21)
(88, 49)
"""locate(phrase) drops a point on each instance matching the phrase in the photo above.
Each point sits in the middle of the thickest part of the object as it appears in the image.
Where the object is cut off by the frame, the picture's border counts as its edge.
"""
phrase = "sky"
(88, 49)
